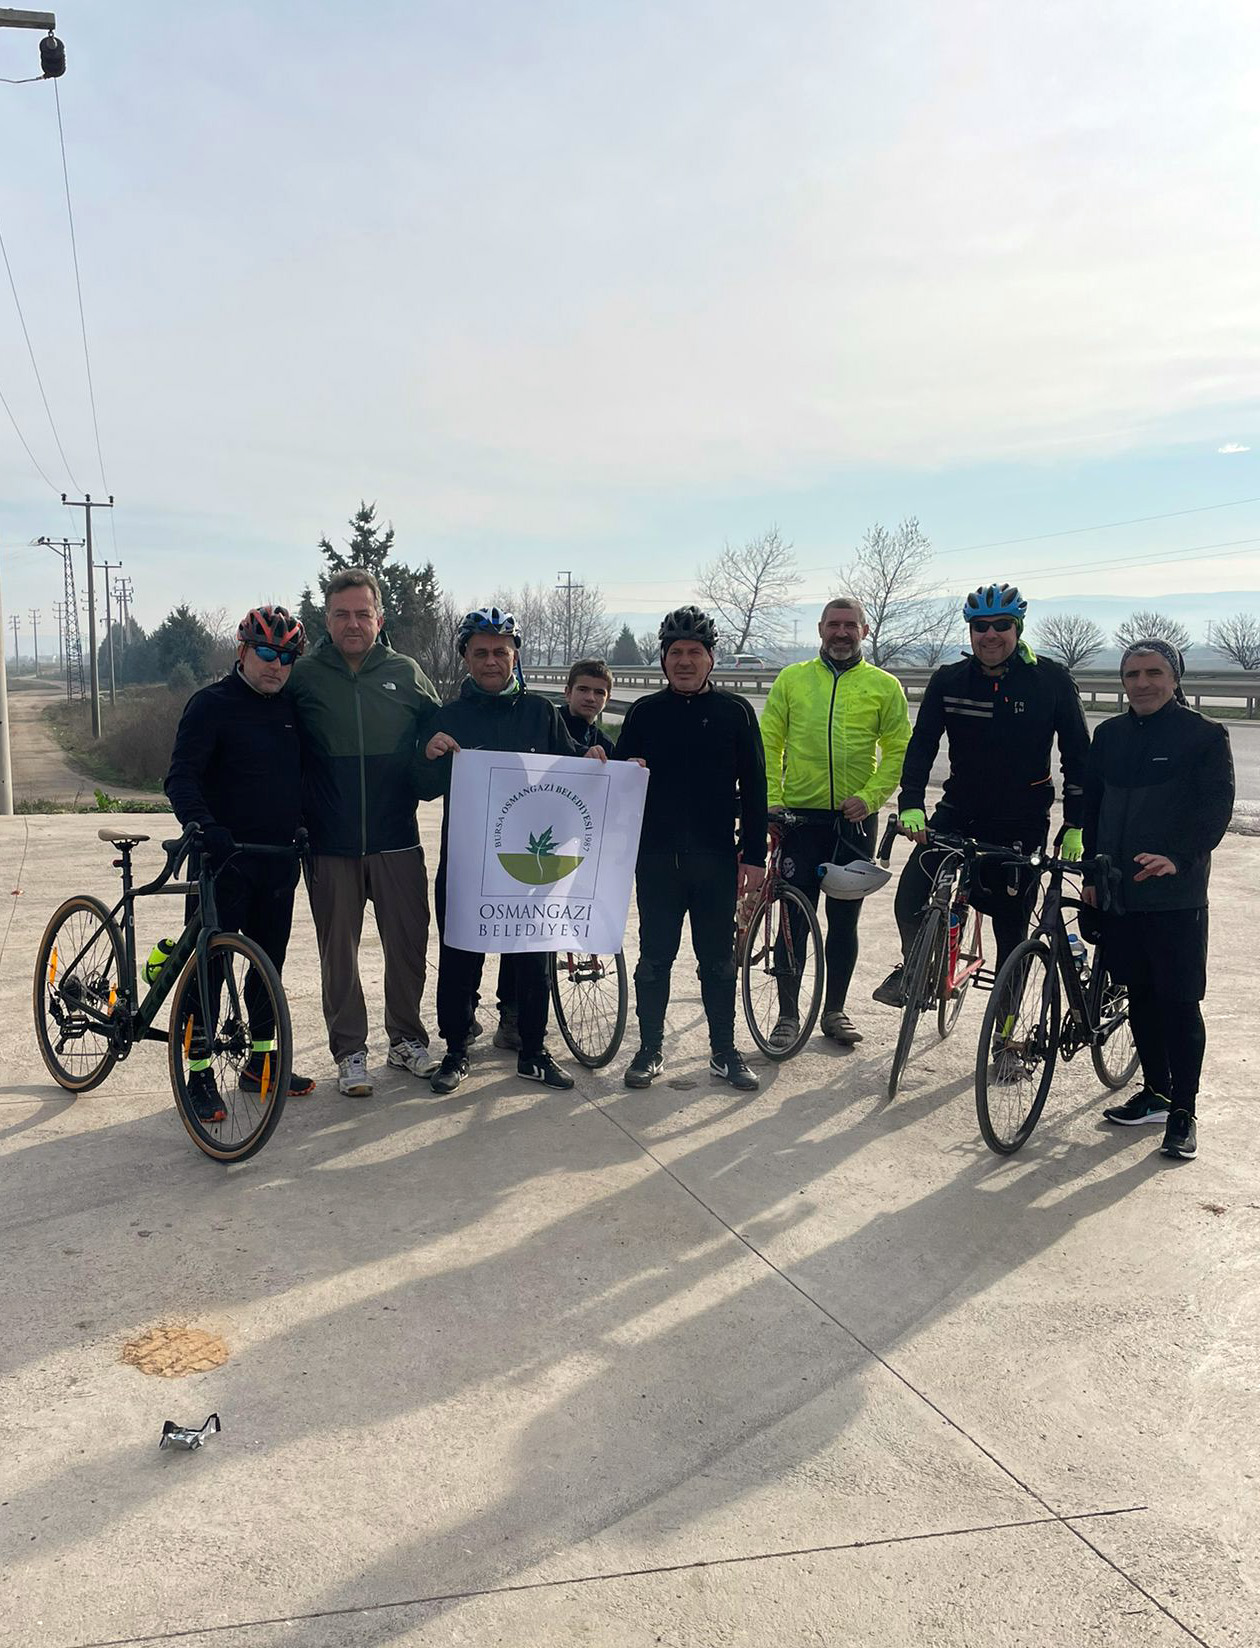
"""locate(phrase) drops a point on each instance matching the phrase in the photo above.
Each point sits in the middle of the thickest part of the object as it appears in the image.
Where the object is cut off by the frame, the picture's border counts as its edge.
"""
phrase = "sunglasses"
(1001, 625)
(277, 655)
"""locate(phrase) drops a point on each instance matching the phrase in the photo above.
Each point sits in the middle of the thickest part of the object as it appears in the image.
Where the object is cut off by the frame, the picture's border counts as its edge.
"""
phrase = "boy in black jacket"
(1159, 794)
(493, 712)
(707, 764)
(236, 769)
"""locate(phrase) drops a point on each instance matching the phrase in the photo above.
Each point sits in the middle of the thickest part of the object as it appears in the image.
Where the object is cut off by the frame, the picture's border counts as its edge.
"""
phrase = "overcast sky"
(600, 285)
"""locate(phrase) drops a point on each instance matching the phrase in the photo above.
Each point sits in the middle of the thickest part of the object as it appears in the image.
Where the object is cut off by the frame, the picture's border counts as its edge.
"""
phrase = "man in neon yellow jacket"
(835, 730)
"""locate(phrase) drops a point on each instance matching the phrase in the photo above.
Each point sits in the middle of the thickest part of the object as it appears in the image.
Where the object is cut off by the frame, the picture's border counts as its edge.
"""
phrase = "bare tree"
(1237, 638)
(888, 574)
(649, 646)
(939, 634)
(1146, 625)
(1071, 638)
(437, 651)
(749, 589)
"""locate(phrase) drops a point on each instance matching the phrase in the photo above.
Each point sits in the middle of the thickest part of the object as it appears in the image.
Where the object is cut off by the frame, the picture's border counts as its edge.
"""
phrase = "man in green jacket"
(823, 724)
(362, 708)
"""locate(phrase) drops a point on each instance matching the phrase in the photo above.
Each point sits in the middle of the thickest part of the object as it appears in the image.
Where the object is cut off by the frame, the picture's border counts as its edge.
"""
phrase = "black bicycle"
(947, 952)
(591, 997)
(90, 1012)
(1026, 1031)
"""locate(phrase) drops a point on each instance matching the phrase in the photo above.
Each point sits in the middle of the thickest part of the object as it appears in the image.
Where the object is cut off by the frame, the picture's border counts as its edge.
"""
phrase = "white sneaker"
(413, 1056)
(352, 1075)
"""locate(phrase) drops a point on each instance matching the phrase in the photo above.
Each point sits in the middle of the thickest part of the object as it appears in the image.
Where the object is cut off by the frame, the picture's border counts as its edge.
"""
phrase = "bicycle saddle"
(120, 841)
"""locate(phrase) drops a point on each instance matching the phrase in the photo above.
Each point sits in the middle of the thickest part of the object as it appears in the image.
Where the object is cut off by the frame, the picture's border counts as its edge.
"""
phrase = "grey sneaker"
(413, 1056)
(352, 1076)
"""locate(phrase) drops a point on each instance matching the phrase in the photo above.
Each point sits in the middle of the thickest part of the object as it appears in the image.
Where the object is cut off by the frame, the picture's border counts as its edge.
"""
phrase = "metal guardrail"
(1096, 686)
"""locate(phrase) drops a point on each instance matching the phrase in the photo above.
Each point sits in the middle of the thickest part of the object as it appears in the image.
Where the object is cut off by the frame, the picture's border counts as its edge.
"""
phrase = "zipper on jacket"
(831, 749)
(358, 716)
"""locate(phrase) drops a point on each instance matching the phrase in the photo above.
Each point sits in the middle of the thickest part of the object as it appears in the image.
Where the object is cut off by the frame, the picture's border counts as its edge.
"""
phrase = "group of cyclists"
(348, 737)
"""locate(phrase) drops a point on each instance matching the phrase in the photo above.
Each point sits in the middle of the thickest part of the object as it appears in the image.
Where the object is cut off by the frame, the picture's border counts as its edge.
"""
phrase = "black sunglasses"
(1001, 625)
(276, 655)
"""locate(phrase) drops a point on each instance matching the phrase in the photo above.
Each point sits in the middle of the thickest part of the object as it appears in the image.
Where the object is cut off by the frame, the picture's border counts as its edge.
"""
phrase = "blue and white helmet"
(488, 621)
(995, 601)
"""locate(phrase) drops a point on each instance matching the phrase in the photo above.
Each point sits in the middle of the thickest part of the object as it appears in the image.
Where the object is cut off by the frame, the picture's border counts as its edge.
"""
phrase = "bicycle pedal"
(984, 979)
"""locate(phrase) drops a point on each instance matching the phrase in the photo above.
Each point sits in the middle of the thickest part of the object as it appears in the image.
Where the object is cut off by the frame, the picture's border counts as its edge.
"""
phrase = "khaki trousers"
(398, 887)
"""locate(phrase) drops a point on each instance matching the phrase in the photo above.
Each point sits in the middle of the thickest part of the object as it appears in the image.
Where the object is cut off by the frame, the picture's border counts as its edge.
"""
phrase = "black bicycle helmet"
(488, 621)
(687, 624)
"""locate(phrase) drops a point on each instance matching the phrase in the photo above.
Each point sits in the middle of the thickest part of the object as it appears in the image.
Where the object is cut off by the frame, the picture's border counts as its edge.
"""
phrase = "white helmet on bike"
(854, 880)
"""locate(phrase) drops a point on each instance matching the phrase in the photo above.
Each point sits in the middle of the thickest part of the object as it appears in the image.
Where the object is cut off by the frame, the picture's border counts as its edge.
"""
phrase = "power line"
(78, 286)
(30, 349)
(26, 444)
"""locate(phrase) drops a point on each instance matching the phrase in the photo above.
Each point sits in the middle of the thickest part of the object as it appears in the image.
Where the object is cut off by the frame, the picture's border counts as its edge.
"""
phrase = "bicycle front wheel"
(781, 972)
(227, 1117)
(950, 1002)
(1115, 1057)
(922, 977)
(591, 999)
(79, 973)
(1019, 1046)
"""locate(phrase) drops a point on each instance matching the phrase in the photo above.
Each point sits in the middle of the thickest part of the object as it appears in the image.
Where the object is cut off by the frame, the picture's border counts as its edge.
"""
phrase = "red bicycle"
(780, 956)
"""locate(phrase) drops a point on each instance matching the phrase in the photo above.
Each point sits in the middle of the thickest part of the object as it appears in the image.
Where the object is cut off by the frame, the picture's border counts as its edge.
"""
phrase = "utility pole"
(107, 567)
(87, 506)
(16, 660)
(35, 616)
(59, 613)
(568, 587)
(73, 652)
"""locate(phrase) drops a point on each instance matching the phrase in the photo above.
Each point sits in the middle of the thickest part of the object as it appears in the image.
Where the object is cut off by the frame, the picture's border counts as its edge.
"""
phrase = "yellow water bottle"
(159, 955)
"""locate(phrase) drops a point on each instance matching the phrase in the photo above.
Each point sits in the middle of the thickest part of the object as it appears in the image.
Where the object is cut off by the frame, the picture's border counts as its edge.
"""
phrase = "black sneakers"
(1139, 1107)
(1180, 1138)
(732, 1068)
(889, 993)
(838, 1026)
(207, 1103)
(250, 1079)
(508, 1034)
(644, 1067)
(448, 1075)
(543, 1068)
(785, 1032)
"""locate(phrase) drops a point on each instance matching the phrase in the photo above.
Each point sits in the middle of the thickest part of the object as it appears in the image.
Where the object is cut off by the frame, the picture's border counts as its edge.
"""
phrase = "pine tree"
(626, 648)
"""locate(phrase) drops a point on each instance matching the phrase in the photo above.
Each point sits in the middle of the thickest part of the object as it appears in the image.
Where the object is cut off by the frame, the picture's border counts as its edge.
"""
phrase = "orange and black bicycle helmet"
(271, 627)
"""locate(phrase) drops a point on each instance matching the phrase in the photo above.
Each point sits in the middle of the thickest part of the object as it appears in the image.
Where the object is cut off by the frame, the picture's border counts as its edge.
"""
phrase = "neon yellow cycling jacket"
(821, 730)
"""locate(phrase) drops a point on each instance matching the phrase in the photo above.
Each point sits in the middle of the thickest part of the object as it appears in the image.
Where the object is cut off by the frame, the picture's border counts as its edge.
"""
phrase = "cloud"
(1232, 446)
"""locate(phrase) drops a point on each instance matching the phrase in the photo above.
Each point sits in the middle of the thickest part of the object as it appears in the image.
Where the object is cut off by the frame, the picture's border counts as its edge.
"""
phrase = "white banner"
(540, 852)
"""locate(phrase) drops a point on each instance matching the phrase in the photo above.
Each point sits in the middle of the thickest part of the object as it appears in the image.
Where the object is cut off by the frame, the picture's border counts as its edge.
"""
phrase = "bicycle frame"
(1083, 1024)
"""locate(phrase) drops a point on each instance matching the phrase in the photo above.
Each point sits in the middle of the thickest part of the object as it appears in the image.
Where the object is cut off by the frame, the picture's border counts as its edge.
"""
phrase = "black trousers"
(670, 888)
(807, 845)
(1161, 956)
(255, 897)
(459, 988)
(990, 894)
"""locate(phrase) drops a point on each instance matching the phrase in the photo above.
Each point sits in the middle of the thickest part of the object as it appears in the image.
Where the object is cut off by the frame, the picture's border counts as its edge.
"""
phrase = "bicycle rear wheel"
(591, 999)
(922, 975)
(241, 977)
(1115, 1059)
(781, 971)
(1018, 1048)
(950, 1004)
(79, 976)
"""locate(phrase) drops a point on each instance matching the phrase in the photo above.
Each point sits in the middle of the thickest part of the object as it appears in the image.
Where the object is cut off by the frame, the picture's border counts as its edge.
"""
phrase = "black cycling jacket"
(1161, 783)
(237, 762)
(706, 764)
(585, 734)
(1000, 729)
(522, 722)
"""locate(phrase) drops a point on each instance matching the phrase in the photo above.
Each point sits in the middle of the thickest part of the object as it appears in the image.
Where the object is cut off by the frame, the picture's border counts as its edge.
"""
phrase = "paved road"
(682, 1366)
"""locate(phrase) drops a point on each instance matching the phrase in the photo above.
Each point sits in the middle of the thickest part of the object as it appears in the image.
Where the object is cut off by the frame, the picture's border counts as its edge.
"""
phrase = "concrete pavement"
(681, 1367)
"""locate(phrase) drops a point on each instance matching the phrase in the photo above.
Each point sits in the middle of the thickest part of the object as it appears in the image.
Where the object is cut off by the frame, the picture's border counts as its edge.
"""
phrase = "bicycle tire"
(761, 945)
(922, 978)
(99, 980)
(1008, 1111)
(948, 1008)
(1110, 1071)
(231, 1038)
(593, 1049)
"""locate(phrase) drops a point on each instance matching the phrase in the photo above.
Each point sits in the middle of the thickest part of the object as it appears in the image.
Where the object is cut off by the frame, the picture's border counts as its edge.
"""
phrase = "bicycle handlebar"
(955, 843)
(176, 850)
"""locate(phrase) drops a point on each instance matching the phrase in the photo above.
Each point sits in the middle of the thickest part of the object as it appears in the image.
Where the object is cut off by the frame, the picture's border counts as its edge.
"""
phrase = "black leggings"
(459, 984)
(671, 887)
(1161, 956)
(1170, 1039)
(807, 845)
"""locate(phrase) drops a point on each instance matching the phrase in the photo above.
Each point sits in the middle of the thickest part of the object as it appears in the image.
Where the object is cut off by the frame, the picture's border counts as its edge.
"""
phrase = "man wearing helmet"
(703, 754)
(1001, 708)
(492, 712)
(236, 770)
(835, 729)
(362, 708)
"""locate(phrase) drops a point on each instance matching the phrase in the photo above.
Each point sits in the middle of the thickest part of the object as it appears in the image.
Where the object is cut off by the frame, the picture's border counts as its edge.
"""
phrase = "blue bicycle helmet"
(995, 601)
(488, 621)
